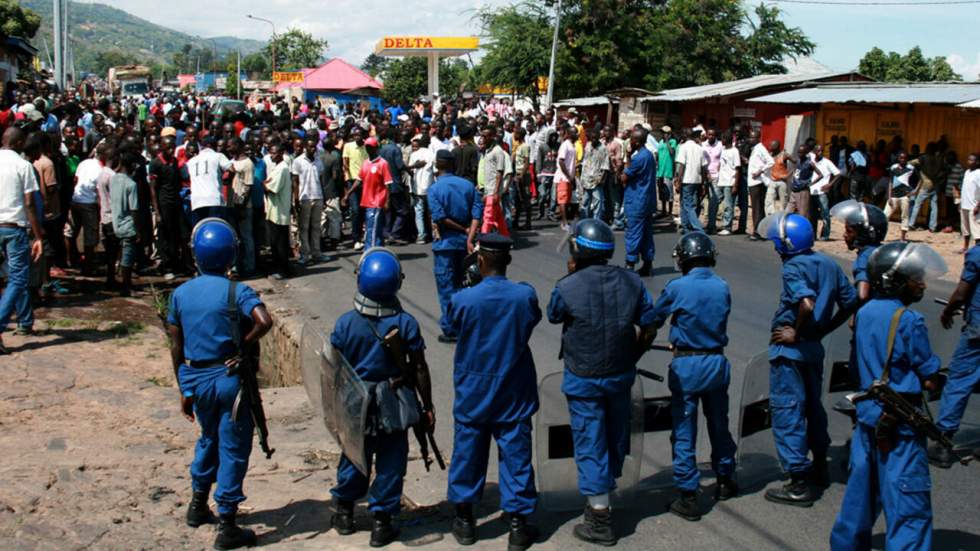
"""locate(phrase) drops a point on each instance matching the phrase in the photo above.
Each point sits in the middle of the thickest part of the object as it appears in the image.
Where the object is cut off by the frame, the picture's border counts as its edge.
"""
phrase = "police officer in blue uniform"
(964, 366)
(456, 207)
(812, 285)
(203, 348)
(599, 307)
(495, 394)
(865, 227)
(358, 336)
(639, 202)
(698, 304)
(889, 468)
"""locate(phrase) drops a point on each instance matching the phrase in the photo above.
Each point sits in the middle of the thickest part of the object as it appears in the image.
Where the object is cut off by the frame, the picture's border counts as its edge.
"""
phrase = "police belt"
(200, 364)
(683, 352)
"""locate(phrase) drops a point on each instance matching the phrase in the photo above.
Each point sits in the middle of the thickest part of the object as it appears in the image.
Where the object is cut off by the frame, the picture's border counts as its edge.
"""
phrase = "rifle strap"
(892, 333)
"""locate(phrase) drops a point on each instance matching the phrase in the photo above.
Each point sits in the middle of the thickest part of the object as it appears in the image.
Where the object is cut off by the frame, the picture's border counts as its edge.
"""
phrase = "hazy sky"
(842, 33)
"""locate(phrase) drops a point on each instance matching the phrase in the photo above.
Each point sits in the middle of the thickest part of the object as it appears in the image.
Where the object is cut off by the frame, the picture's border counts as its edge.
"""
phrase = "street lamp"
(273, 43)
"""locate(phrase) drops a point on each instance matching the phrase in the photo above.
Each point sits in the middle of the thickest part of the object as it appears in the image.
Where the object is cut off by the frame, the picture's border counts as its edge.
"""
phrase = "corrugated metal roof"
(975, 104)
(741, 86)
(948, 93)
(583, 102)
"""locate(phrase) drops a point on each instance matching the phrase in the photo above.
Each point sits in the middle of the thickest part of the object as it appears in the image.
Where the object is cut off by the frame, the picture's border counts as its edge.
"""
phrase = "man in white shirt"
(713, 149)
(829, 174)
(17, 214)
(760, 162)
(85, 208)
(206, 170)
(728, 168)
(970, 203)
(420, 162)
(306, 169)
(691, 163)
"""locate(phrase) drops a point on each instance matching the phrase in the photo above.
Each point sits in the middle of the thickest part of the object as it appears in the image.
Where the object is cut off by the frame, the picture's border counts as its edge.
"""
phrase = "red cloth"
(493, 216)
(374, 177)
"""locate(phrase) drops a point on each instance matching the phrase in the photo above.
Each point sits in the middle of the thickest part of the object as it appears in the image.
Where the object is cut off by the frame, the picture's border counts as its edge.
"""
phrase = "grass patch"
(157, 381)
(63, 323)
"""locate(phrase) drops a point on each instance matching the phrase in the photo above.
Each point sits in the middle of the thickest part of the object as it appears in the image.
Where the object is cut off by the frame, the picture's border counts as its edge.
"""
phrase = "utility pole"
(238, 73)
(554, 52)
(272, 43)
(59, 46)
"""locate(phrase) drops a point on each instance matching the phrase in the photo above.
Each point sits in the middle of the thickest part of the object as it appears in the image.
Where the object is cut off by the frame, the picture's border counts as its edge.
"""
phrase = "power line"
(872, 3)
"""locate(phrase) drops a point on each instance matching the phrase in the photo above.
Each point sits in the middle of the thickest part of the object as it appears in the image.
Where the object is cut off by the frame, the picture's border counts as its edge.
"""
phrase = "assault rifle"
(246, 366)
(424, 432)
(895, 405)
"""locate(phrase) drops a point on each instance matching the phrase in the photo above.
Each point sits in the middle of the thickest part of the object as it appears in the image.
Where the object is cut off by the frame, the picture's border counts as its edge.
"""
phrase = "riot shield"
(758, 463)
(336, 393)
(557, 475)
(837, 383)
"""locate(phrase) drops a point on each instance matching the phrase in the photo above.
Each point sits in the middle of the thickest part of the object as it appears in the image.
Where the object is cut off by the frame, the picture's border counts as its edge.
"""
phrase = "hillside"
(102, 35)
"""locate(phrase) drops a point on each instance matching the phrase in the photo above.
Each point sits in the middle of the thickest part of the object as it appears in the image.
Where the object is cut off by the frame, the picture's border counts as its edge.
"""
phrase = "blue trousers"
(468, 470)
(600, 429)
(639, 236)
(592, 203)
(389, 455)
(921, 198)
(222, 451)
(448, 269)
(356, 212)
(898, 483)
(799, 421)
(714, 201)
(689, 205)
(964, 376)
(684, 416)
(17, 250)
(821, 204)
(374, 223)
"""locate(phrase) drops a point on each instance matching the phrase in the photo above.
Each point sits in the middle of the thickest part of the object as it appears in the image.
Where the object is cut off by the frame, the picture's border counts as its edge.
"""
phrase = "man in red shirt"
(375, 180)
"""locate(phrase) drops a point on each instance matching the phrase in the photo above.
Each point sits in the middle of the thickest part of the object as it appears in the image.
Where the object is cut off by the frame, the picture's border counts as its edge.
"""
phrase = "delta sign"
(443, 46)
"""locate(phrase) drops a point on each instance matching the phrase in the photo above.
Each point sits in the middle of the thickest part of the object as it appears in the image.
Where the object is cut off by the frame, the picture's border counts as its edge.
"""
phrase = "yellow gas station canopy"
(443, 46)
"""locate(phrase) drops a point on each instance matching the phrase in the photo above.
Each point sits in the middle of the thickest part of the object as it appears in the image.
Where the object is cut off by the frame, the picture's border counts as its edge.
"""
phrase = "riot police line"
(369, 380)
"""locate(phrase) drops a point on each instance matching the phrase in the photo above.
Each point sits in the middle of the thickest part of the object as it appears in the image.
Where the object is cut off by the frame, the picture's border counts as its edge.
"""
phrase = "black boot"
(522, 534)
(198, 512)
(726, 489)
(383, 532)
(343, 518)
(232, 536)
(597, 527)
(631, 266)
(645, 270)
(819, 474)
(940, 456)
(686, 506)
(464, 527)
(796, 493)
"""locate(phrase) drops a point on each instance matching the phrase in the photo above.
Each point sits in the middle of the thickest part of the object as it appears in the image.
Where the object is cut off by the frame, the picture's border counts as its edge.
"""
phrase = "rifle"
(895, 405)
(246, 367)
(424, 433)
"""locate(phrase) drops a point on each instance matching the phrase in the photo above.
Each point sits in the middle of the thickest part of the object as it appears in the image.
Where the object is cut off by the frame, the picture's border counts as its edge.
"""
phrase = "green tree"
(113, 58)
(231, 83)
(257, 64)
(510, 62)
(374, 64)
(912, 67)
(406, 79)
(18, 21)
(296, 50)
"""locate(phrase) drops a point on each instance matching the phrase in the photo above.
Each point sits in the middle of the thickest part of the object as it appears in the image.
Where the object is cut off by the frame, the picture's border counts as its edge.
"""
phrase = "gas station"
(430, 47)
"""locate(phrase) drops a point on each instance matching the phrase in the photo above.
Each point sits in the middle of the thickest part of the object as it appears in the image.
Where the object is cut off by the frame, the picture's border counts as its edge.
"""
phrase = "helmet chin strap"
(376, 309)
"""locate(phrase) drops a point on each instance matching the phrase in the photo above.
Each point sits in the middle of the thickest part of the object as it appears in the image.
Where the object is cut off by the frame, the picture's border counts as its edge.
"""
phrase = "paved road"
(752, 270)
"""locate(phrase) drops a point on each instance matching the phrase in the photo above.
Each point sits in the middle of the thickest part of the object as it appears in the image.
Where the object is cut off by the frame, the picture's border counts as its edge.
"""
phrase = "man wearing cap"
(377, 181)
(455, 207)
(495, 394)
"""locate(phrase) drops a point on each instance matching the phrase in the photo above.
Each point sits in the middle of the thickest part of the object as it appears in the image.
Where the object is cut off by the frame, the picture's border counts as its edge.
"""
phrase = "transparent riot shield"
(758, 463)
(336, 394)
(556, 473)
(838, 381)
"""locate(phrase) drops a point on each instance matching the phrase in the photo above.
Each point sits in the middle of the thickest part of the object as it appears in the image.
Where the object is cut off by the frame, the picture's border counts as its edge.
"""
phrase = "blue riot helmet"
(893, 265)
(215, 245)
(869, 223)
(592, 239)
(792, 234)
(695, 246)
(379, 274)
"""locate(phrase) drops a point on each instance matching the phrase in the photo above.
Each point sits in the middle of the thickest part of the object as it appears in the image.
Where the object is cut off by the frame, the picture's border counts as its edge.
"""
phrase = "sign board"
(836, 122)
(890, 125)
(744, 113)
(280, 76)
(422, 45)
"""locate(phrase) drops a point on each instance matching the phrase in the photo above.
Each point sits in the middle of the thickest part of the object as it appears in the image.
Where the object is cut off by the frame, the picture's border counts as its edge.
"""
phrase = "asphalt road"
(749, 522)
